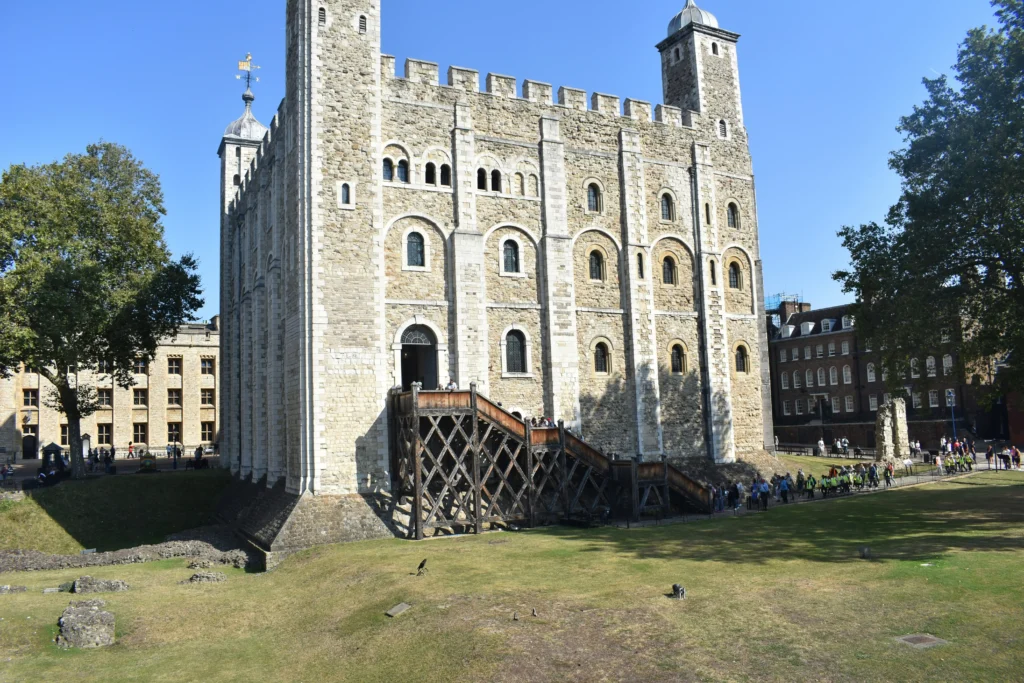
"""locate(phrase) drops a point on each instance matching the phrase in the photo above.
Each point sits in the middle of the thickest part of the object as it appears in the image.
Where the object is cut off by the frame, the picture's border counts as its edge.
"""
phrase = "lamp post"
(951, 400)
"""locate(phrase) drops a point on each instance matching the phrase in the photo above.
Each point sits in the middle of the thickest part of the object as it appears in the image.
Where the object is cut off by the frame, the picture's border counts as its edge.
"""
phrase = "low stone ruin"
(6, 590)
(207, 577)
(87, 584)
(85, 625)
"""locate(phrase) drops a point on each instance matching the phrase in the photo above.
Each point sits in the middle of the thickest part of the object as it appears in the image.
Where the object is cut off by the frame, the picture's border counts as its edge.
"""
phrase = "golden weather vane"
(249, 68)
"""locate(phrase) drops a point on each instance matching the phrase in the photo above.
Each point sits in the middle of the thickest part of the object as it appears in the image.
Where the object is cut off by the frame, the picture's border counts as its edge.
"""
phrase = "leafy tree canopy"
(951, 254)
(85, 275)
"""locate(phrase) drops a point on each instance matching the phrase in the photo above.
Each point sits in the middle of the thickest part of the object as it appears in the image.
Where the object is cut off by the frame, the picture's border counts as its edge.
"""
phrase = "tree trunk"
(69, 402)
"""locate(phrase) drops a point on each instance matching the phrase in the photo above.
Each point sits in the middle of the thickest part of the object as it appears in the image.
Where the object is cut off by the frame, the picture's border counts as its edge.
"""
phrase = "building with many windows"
(827, 384)
(173, 401)
(588, 259)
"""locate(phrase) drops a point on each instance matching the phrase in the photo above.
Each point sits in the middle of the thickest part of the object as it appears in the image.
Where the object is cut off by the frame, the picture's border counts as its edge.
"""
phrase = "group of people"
(1009, 458)
(6, 472)
(542, 423)
(839, 447)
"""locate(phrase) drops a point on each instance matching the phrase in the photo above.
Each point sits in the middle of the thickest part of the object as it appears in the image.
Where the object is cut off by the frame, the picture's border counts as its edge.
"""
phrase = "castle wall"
(309, 400)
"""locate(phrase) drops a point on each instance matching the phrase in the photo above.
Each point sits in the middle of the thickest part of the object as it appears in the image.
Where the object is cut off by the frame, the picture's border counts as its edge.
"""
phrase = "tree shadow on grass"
(916, 524)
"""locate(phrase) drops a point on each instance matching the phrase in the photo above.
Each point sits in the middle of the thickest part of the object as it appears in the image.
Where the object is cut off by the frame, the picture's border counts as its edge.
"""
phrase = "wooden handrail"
(587, 453)
(688, 487)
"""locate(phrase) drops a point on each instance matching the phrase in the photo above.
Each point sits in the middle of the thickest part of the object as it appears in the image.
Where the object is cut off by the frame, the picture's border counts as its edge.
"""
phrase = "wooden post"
(417, 505)
(667, 498)
(531, 493)
(634, 485)
(474, 449)
(563, 465)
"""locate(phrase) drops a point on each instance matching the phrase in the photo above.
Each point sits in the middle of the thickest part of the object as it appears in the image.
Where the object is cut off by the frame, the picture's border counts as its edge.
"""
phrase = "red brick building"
(827, 384)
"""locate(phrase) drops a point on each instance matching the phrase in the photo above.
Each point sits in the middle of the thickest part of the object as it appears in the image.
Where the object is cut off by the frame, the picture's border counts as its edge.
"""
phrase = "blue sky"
(824, 84)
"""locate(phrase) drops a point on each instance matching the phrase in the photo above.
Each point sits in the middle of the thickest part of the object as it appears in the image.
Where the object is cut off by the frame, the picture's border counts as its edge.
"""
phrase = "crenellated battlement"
(499, 85)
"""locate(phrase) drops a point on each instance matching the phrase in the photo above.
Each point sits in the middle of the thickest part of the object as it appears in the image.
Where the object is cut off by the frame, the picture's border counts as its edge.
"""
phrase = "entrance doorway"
(419, 358)
(29, 447)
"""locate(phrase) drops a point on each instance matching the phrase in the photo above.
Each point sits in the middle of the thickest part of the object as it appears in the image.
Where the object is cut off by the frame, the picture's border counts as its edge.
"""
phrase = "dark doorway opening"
(419, 358)
(29, 447)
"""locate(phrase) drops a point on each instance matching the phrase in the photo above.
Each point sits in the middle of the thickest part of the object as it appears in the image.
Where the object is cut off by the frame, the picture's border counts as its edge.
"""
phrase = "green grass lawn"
(110, 513)
(818, 466)
(779, 596)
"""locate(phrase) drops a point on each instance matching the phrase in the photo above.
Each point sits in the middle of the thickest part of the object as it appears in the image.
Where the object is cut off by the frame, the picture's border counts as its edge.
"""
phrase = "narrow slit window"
(667, 209)
(735, 276)
(734, 216)
(640, 266)
(495, 181)
(346, 194)
(596, 266)
(430, 174)
(362, 24)
(417, 256)
(323, 16)
(714, 275)
(511, 257)
(678, 360)
(714, 49)
(707, 214)
(668, 271)
(742, 362)
(593, 198)
(723, 129)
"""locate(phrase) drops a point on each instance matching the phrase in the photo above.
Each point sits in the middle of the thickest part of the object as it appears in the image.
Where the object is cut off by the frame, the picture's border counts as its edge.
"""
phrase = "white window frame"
(947, 365)
(915, 368)
(821, 377)
(916, 400)
(873, 403)
(785, 380)
(786, 408)
(425, 268)
(826, 326)
(933, 399)
(798, 381)
(931, 367)
(807, 353)
(799, 407)
(849, 404)
(950, 398)
(820, 351)
(833, 376)
(835, 404)
(809, 378)
(831, 349)
(794, 355)
(847, 375)
(505, 374)
(782, 356)
(872, 374)
(522, 256)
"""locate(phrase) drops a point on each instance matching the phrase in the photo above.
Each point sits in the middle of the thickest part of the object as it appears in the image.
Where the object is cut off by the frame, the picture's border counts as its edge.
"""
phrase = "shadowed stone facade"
(393, 228)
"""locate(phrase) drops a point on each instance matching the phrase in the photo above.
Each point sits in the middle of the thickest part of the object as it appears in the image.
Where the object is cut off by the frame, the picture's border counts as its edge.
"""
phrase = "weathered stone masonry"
(377, 208)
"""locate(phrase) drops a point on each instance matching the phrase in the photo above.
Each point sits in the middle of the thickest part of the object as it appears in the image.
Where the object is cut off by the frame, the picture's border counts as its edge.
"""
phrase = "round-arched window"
(416, 251)
(511, 257)
(601, 358)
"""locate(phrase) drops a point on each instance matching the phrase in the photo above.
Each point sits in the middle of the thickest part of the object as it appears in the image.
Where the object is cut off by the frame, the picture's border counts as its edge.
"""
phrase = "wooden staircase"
(463, 463)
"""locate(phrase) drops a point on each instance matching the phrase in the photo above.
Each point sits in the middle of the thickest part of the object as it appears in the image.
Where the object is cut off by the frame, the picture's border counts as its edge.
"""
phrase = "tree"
(85, 275)
(951, 254)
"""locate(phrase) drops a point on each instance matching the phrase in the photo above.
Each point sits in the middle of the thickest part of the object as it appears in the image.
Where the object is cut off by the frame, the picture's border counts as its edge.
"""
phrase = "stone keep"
(589, 263)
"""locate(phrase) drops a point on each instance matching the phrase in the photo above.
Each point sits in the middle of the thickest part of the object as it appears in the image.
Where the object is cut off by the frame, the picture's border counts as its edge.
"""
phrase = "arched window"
(596, 265)
(362, 24)
(872, 374)
(833, 376)
(809, 376)
(417, 253)
(323, 16)
(915, 368)
(714, 273)
(520, 185)
(403, 171)
(734, 216)
(785, 380)
(515, 352)
(678, 360)
(640, 266)
(534, 186)
(668, 271)
(481, 179)
(446, 175)
(511, 257)
(593, 198)
(346, 194)
(495, 180)
(930, 366)
(707, 214)
(947, 365)
(668, 211)
(723, 129)
(847, 375)
(601, 358)
(389, 170)
(821, 377)
(714, 49)
(798, 381)
(735, 276)
(430, 174)
(237, 180)
(742, 360)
